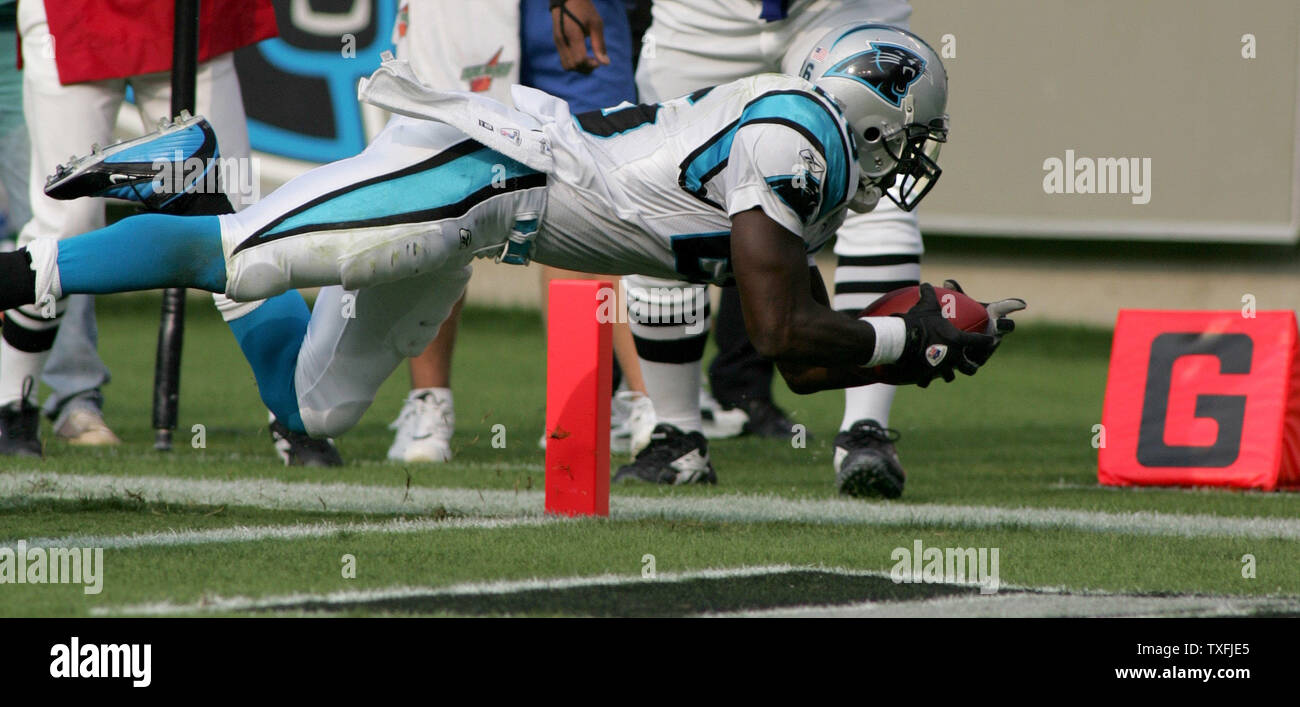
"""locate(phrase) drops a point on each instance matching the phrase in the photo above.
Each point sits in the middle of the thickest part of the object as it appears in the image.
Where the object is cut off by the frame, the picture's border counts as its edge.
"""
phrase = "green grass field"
(1003, 460)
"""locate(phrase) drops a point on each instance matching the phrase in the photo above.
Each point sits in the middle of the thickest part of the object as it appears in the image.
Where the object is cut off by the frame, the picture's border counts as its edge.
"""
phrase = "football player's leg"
(60, 120)
(361, 221)
(75, 375)
(356, 339)
(684, 50)
(877, 252)
(270, 335)
(394, 211)
(670, 324)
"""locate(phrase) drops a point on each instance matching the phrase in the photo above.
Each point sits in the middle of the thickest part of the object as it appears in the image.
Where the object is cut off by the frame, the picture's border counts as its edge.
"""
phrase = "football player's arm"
(788, 314)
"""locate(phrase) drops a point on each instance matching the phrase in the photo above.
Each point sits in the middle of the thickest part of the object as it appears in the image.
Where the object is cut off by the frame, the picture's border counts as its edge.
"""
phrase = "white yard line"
(1012, 601)
(344, 497)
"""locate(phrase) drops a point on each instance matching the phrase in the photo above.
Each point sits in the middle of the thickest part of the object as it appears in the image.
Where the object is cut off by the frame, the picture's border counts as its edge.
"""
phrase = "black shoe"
(20, 426)
(146, 170)
(673, 457)
(768, 420)
(866, 463)
(297, 449)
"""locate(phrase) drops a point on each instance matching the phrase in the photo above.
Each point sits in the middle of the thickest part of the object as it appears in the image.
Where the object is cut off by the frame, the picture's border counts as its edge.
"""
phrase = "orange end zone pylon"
(578, 378)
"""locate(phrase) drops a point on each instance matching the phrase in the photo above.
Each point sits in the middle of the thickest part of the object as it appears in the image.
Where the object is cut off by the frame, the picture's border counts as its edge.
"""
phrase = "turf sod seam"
(889, 598)
(295, 531)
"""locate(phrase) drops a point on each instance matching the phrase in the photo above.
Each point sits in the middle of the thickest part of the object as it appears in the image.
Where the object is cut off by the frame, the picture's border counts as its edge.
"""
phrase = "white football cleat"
(424, 427)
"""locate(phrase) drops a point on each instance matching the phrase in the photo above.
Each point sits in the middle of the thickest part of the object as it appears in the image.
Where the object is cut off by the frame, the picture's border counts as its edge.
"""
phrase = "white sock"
(674, 390)
(868, 402)
(15, 368)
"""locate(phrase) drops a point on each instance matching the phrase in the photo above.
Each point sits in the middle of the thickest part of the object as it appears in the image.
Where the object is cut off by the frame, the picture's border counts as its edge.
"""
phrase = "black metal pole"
(171, 327)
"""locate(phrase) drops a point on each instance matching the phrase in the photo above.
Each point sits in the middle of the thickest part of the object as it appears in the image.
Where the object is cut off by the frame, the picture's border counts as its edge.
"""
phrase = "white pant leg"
(61, 121)
(886, 230)
(407, 205)
(679, 56)
(356, 339)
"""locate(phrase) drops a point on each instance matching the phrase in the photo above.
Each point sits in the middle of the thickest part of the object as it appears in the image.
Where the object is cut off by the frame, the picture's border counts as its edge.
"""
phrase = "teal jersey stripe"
(801, 112)
(448, 183)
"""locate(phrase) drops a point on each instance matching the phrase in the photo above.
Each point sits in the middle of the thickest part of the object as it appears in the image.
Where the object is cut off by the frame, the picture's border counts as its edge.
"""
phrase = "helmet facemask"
(916, 162)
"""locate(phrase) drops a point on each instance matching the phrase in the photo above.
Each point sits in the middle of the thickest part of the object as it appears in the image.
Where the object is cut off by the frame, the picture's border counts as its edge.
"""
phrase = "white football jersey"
(650, 189)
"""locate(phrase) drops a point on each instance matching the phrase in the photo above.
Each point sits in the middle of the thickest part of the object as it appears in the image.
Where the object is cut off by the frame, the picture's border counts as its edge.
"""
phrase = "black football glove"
(999, 323)
(935, 348)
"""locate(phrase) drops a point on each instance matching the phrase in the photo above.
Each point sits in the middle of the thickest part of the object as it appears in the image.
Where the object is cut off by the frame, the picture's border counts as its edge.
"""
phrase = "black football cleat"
(20, 426)
(866, 463)
(672, 457)
(297, 449)
(172, 170)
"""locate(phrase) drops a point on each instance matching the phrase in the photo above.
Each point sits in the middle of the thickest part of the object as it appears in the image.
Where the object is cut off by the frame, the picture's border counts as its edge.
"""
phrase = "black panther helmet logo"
(887, 69)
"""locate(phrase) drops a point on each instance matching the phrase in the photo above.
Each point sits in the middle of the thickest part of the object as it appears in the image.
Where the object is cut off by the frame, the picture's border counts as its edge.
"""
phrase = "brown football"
(964, 312)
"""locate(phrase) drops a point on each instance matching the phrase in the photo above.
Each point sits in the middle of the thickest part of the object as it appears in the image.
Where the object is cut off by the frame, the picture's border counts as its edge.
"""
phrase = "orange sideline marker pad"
(578, 372)
(1202, 399)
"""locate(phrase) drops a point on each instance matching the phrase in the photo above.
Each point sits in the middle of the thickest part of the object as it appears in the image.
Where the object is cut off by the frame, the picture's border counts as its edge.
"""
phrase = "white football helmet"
(893, 90)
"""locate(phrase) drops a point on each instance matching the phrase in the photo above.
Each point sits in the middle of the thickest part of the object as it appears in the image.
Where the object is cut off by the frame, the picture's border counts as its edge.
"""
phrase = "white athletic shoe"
(631, 422)
(85, 426)
(719, 422)
(424, 427)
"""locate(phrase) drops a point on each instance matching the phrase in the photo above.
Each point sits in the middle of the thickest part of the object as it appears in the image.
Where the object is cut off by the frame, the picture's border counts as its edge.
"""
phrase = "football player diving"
(745, 180)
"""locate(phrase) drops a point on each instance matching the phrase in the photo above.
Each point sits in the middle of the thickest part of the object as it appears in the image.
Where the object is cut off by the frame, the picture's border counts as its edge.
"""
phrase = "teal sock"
(145, 252)
(270, 337)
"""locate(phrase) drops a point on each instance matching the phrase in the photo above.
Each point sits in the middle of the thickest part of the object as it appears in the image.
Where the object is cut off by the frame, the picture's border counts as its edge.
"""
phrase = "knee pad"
(669, 320)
